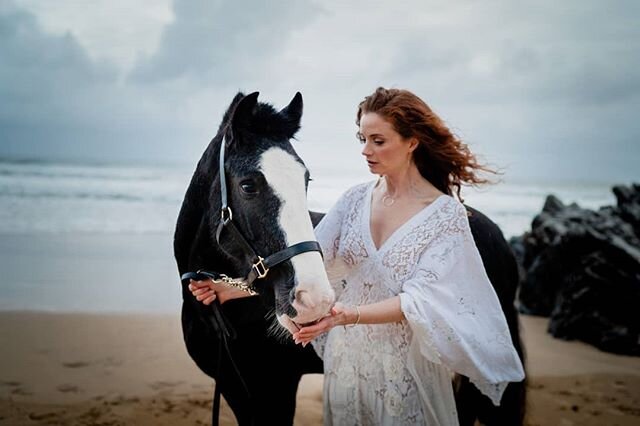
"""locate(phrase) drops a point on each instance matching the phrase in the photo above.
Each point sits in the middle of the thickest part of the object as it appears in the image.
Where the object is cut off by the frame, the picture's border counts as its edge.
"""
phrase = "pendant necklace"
(387, 200)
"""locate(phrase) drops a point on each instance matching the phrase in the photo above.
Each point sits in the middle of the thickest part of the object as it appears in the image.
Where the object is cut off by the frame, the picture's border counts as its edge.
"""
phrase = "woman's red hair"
(442, 158)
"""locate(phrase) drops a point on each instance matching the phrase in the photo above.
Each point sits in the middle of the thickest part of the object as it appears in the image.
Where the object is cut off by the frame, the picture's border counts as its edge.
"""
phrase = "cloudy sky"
(542, 89)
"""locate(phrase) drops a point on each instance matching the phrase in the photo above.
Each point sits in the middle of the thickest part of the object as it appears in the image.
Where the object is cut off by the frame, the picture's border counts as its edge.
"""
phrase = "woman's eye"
(248, 188)
(378, 142)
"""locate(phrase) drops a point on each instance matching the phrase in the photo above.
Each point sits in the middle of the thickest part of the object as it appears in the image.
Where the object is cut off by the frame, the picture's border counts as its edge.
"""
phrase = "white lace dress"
(400, 373)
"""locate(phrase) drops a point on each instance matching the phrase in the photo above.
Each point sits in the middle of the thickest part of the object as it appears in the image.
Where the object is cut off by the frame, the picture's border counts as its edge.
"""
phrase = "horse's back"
(502, 269)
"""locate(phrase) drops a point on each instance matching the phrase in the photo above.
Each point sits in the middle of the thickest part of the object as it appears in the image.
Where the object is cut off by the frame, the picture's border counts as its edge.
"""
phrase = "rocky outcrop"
(582, 269)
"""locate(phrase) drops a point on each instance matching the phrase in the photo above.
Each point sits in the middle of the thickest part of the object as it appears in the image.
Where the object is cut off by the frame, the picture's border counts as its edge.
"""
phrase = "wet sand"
(109, 369)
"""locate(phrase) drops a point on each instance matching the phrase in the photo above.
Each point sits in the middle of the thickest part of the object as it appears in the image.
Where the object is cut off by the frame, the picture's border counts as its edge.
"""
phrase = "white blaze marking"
(286, 177)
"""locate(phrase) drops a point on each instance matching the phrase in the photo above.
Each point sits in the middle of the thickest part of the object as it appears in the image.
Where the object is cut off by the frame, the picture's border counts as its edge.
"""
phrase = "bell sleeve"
(328, 234)
(455, 315)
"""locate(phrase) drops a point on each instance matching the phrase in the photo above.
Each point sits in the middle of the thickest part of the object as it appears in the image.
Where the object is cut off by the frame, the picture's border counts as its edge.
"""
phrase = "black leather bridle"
(259, 266)
(259, 270)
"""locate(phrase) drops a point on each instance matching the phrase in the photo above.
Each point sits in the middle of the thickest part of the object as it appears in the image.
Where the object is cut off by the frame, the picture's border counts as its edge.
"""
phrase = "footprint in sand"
(112, 362)
(43, 416)
(204, 403)
(634, 411)
(168, 406)
(67, 388)
(75, 364)
(20, 392)
(161, 385)
(123, 400)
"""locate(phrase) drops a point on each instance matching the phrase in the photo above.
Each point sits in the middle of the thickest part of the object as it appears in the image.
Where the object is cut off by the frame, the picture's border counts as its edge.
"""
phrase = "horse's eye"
(248, 187)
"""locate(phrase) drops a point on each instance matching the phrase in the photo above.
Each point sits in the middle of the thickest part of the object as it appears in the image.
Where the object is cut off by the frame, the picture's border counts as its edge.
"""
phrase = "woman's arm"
(382, 312)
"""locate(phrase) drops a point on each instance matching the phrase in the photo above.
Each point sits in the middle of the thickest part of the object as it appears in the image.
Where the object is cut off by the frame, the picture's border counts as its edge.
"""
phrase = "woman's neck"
(408, 183)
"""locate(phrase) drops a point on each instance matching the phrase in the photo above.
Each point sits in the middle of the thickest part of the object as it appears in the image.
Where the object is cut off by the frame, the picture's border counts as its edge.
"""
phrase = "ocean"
(38, 197)
(98, 238)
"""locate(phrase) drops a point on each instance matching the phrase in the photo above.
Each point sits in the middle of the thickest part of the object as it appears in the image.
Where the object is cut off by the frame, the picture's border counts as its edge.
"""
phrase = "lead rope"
(224, 333)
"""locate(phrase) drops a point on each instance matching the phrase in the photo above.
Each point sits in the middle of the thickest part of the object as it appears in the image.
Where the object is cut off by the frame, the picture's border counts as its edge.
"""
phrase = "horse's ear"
(244, 110)
(293, 111)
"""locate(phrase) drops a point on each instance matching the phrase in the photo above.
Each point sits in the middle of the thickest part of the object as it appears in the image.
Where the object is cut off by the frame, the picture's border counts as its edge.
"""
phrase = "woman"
(413, 296)
(412, 292)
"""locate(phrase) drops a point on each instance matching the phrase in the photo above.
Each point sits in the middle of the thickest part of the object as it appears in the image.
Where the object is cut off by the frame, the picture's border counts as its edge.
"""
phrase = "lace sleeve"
(329, 229)
(455, 314)
(329, 234)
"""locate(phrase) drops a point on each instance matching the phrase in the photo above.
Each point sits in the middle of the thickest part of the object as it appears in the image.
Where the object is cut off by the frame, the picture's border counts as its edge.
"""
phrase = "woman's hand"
(207, 291)
(203, 291)
(339, 315)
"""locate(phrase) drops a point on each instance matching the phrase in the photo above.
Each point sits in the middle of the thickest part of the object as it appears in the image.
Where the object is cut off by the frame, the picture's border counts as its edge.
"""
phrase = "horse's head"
(266, 188)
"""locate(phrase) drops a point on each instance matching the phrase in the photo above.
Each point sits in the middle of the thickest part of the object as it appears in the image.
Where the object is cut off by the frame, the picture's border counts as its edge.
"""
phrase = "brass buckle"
(260, 268)
(229, 215)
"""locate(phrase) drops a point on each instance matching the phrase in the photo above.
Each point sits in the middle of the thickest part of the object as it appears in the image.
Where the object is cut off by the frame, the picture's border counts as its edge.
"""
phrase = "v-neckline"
(367, 219)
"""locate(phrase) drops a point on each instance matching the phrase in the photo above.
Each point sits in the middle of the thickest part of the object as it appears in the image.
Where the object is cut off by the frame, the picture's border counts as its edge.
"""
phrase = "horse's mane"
(265, 120)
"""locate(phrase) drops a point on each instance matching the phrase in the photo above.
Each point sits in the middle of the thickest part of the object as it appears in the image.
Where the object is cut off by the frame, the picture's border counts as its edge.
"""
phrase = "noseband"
(260, 266)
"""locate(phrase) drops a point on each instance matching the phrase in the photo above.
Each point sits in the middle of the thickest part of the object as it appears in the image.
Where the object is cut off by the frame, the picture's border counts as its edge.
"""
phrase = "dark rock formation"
(582, 269)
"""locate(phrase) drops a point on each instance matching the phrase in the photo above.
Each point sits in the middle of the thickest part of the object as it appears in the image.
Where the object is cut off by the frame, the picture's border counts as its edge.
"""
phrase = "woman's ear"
(413, 144)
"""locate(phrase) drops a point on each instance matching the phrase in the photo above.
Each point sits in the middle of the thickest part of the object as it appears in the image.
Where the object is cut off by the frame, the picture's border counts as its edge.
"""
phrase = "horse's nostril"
(303, 298)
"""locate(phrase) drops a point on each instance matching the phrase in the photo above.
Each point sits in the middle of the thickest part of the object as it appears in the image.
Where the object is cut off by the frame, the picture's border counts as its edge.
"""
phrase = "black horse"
(267, 184)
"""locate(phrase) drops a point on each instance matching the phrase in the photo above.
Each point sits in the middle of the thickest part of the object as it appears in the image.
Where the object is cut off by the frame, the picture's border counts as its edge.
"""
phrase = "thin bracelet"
(357, 319)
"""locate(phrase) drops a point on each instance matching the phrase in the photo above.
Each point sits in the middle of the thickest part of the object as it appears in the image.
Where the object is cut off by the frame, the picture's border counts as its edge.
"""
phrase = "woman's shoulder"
(452, 206)
(356, 192)
(453, 217)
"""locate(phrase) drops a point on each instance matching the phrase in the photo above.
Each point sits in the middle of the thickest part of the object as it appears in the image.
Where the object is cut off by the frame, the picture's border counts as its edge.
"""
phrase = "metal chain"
(237, 283)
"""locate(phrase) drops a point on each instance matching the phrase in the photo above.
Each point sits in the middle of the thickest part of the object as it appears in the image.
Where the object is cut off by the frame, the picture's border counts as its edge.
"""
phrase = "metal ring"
(229, 217)
(260, 268)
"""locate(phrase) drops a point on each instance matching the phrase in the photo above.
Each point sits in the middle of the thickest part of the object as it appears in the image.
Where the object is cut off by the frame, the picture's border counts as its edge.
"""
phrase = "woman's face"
(385, 150)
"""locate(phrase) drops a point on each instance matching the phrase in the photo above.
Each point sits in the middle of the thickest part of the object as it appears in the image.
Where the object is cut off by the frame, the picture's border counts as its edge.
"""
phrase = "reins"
(259, 269)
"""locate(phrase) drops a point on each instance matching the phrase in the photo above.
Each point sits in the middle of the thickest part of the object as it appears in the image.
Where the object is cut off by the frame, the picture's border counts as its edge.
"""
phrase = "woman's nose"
(365, 150)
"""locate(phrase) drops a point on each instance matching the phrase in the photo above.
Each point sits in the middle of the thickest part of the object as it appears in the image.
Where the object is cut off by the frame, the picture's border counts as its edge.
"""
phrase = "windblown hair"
(443, 159)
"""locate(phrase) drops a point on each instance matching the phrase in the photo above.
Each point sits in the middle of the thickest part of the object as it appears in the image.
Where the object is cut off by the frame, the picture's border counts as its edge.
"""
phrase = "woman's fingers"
(324, 325)
(200, 284)
(199, 291)
(202, 291)
(209, 299)
(303, 340)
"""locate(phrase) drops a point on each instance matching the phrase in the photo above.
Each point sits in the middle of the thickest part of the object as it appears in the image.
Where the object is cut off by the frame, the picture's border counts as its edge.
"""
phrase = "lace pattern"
(368, 368)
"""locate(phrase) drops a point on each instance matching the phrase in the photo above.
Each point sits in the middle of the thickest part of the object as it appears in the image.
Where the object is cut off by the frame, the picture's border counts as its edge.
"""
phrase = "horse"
(265, 186)
(260, 372)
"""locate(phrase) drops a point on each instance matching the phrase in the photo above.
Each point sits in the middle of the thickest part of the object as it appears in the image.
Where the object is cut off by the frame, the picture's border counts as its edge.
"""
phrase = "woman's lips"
(371, 163)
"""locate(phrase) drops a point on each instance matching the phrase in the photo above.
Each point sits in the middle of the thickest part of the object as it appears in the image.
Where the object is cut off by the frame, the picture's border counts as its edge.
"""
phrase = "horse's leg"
(268, 368)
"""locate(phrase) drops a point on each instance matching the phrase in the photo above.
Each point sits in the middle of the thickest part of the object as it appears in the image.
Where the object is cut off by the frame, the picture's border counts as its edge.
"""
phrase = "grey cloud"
(222, 41)
(551, 89)
(548, 87)
(568, 53)
(60, 103)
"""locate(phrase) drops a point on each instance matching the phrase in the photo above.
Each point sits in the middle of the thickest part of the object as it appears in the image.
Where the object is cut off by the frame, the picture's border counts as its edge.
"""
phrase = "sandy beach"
(123, 361)
(91, 369)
